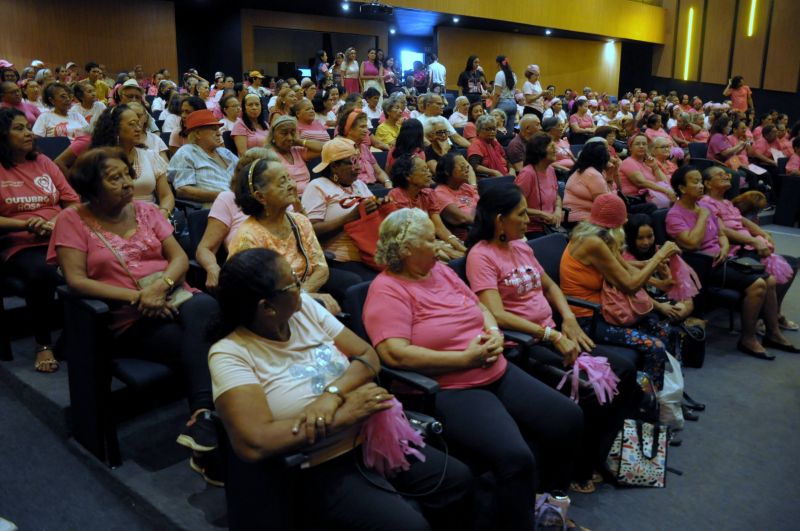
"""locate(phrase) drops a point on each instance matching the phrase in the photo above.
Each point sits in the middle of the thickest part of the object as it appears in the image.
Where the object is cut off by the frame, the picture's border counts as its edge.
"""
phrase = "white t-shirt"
(154, 142)
(158, 105)
(534, 88)
(500, 81)
(90, 115)
(457, 119)
(372, 115)
(227, 125)
(620, 115)
(291, 373)
(172, 122)
(51, 124)
(149, 167)
(321, 203)
(561, 115)
(438, 73)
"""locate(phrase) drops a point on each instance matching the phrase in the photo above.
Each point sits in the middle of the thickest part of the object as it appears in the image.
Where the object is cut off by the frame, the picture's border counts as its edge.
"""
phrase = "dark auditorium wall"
(209, 37)
(634, 72)
(117, 35)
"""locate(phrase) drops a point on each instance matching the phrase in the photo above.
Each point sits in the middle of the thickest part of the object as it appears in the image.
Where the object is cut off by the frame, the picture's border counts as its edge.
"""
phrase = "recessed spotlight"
(392, 31)
(345, 6)
(455, 20)
(611, 41)
(547, 32)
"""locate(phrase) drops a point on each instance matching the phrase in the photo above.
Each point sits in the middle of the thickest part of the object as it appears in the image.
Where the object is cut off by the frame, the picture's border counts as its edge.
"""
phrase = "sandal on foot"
(597, 477)
(786, 324)
(46, 364)
(571, 524)
(584, 487)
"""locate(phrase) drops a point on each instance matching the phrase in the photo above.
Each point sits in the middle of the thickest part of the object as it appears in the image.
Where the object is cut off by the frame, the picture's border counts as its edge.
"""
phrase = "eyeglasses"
(442, 132)
(296, 284)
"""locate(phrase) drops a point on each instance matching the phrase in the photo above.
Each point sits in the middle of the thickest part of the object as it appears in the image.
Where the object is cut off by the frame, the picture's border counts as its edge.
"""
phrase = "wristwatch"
(332, 389)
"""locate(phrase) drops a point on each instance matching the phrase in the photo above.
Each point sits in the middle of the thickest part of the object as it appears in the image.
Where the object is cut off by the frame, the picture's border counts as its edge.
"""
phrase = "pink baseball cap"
(5, 64)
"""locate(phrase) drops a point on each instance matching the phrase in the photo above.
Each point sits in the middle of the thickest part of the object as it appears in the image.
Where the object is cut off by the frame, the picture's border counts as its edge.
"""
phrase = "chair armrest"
(581, 303)
(414, 379)
(521, 338)
(186, 204)
(94, 306)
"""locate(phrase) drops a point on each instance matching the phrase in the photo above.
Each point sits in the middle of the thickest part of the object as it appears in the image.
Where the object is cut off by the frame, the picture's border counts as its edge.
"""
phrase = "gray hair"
(432, 123)
(484, 121)
(256, 153)
(684, 116)
(428, 96)
(398, 230)
(390, 102)
(499, 112)
(460, 100)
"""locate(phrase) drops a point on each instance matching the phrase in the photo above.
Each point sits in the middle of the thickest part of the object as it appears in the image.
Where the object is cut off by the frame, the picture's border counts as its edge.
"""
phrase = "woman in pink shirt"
(516, 290)
(354, 126)
(485, 154)
(654, 129)
(33, 192)
(580, 123)
(592, 178)
(793, 165)
(250, 130)
(565, 160)
(539, 185)
(740, 94)
(308, 127)
(124, 251)
(640, 175)
(293, 151)
(457, 196)
(493, 410)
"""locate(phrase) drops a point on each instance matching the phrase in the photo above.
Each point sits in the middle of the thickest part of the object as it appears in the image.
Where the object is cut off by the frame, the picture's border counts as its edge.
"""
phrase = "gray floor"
(741, 462)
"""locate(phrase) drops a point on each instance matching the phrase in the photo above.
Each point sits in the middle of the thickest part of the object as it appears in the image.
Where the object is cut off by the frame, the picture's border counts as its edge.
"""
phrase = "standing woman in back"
(350, 72)
(371, 73)
(503, 96)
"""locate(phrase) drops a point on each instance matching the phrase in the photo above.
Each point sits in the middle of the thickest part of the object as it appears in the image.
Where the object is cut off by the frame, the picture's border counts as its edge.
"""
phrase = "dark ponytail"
(506, 68)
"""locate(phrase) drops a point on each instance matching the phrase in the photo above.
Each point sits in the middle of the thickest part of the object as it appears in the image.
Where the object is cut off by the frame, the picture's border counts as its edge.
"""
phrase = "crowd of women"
(279, 254)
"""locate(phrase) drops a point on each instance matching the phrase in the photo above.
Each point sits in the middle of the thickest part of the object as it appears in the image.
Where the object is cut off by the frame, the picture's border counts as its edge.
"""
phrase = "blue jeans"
(510, 108)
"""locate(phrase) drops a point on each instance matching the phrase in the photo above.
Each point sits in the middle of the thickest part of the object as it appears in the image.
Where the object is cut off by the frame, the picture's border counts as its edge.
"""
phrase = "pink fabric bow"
(687, 284)
(387, 435)
(601, 377)
(776, 265)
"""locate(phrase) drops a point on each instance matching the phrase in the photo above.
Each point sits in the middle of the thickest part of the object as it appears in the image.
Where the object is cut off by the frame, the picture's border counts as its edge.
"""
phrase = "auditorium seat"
(485, 183)
(52, 146)
(698, 150)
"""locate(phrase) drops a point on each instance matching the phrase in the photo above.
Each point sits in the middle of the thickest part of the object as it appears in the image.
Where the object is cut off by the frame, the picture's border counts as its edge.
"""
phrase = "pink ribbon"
(687, 285)
(776, 265)
(387, 437)
(600, 375)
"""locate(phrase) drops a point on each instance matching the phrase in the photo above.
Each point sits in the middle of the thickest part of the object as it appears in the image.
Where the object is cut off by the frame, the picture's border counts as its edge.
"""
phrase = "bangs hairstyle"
(87, 174)
(7, 116)
(636, 222)
(246, 279)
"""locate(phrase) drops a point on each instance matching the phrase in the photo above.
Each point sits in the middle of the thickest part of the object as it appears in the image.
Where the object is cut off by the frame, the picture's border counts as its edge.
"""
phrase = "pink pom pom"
(600, 375)
(778, 267)
(687, 285)
(677, 153)
(387, 441)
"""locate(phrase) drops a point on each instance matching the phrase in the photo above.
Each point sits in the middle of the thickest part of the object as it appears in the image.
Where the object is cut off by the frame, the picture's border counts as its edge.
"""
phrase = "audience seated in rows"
(539, 185)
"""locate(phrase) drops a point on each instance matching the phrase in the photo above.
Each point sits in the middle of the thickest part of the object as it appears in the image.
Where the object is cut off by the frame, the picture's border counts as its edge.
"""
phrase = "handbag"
(623, 310)
(176, 296)
(364, 231)
(601, 377)
(638, 457)
(690, 345)
(746, 265)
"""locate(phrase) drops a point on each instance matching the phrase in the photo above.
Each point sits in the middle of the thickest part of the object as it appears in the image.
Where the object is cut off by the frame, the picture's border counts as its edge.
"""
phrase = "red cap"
(608, 211)
(201, 118)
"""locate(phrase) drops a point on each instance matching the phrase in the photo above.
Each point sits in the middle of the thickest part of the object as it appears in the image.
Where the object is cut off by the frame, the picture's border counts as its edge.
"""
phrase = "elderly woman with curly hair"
(539, 185)
(494, 411)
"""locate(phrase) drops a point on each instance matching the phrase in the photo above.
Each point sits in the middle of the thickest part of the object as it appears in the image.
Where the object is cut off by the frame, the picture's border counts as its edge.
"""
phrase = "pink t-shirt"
(142, 252)
(465, 199)
(30, 110)
(739, 97)
(177, 140)
(729, 215)
(33, 188)
(742, 155)
(652, 134)
(681, 219)
(426, 200)
(582, 187)
(225, 210)
(687, 133)
(793, 164)
(584, 122)
(540, 191)
(366, 161)
(630, 166)
(313, 131)
(716, 145)
(419, 310)
(563, 153)
(254, 138)
(297, 169)
(517, 276)
(763, 148)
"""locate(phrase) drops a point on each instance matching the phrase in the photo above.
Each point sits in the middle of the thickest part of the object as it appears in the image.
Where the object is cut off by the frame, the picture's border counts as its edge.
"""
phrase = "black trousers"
(338, 282)
(40, 280)
(601, 422)
(180, 343)
(336, 495)
(364, 272)
(527, 433)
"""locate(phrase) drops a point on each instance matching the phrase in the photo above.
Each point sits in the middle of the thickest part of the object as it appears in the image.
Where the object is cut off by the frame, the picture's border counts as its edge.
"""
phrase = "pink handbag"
(687, 285)
(621, 309)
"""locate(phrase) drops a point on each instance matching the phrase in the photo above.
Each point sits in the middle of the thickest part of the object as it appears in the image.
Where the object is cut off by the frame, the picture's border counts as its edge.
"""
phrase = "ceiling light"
(611, 41)
(455, 20)
(345, 6)
(392, 31)
(547, 32)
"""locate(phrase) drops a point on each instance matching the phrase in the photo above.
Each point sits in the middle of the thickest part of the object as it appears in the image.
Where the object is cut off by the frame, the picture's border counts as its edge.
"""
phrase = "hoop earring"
(502, 237)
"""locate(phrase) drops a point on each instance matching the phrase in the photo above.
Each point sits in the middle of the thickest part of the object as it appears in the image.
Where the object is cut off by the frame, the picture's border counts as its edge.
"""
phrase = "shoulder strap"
(299, 241)
(110, 247)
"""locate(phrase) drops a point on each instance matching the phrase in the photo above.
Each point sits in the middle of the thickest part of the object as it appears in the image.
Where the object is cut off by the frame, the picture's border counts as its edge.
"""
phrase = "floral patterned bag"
(638, 457)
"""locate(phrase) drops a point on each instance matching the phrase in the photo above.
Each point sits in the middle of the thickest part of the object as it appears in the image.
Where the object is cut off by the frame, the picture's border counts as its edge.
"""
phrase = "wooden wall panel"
(252, 18)
(682, 29)
(664, 55)
(117, 35)
(717, 44)
(783, 60)
(563, 62)
(748, 52)
(620, 19)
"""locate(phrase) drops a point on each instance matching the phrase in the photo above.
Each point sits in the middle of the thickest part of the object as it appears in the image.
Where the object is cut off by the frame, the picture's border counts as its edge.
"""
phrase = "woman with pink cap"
(593, 258)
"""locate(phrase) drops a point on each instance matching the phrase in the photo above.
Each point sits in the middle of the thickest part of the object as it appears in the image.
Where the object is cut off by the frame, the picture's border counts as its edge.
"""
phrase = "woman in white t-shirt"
(231, 111)
(87, 104)
(288, 377)
(59, 120)
(459, 117)
(151, 140)
(505, 85)
(532, 90)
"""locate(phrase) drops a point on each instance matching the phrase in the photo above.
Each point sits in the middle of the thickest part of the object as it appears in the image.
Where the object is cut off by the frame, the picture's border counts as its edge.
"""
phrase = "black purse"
(746, 265)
